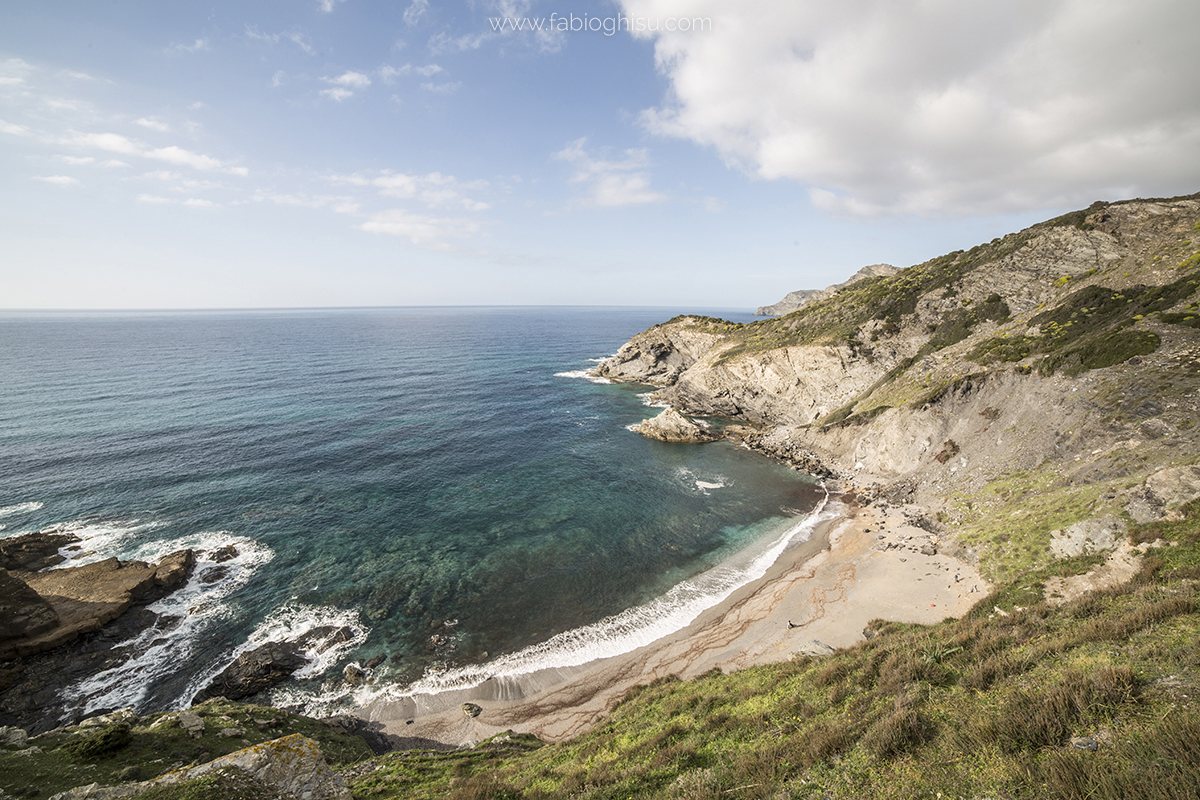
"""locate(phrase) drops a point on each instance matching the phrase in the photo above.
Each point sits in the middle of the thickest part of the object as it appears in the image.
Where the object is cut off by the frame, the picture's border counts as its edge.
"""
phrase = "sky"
(689, 153)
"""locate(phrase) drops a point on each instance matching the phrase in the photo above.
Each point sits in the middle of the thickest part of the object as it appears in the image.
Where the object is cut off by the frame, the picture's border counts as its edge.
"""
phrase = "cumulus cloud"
(345, 85)
(59, 180)
(610, 183)
(935, 106)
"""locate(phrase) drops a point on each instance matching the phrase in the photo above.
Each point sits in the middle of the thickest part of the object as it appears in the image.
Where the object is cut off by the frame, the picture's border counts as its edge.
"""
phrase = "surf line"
(630, 629)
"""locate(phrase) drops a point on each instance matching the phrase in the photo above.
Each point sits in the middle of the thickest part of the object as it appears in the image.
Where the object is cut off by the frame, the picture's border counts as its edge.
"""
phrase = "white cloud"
(295, 37)
(420, 229)
(337, 93)
(278, 79)
(351, 80)
(112, 162)
(177, 155)
(153, 124)
(611, 183)
(59, 180)
(79, 76)
(194, 47)
(389, 73)
(112, 142)
(414, 12)
(434, 189)
(163, 175)
(196, 106)
(442, 88)
(197, 202)
(8, 80)
(938, 107)
(328, 5)
(116, 143)
(151, 198)
(13, 130)
(78, 159)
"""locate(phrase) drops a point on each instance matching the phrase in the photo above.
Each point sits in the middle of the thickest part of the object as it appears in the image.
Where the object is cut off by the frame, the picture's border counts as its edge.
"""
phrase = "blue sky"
(356, 152)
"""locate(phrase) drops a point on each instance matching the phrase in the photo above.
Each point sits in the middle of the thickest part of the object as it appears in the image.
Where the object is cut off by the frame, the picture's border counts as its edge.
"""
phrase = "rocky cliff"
(1014, 389)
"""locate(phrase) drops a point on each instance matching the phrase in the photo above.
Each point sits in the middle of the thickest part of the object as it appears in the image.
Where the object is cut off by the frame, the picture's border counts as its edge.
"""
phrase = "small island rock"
(671, 426)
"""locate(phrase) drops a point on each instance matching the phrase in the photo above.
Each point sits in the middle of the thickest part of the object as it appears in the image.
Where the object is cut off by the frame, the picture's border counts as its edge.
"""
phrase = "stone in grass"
(471, 710)
(191, 722)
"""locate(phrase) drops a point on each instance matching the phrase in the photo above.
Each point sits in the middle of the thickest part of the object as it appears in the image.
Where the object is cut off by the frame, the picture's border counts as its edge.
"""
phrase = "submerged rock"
(254, 672)
(671, 426)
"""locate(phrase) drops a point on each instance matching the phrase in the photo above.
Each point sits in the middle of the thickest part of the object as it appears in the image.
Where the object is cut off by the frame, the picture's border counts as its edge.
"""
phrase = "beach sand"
(864, 564)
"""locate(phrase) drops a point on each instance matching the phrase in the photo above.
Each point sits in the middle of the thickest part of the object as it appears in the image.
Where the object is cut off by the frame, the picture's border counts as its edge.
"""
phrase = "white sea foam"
(582, 373)
(704, 486)
(648, 400)
(292, 623)
(19, 508)
(187, 614)
(632, 628)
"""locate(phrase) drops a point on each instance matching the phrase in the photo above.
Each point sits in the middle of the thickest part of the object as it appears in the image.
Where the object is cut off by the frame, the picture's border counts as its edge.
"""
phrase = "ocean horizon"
(444, 487)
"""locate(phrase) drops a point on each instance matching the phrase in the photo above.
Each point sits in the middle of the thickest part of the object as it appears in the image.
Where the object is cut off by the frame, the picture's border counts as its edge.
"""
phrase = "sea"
(432, 495)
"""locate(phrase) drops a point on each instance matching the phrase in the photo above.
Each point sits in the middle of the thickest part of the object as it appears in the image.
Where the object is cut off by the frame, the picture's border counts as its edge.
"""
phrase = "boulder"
(1086, 537)
(671, 426)
(1163, 493)
(23, 612)
(471, 709)
(254, 672)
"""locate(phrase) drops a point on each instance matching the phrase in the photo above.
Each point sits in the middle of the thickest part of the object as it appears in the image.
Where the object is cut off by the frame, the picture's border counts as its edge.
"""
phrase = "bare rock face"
(23, 612)
(255, 671)
(671, 426)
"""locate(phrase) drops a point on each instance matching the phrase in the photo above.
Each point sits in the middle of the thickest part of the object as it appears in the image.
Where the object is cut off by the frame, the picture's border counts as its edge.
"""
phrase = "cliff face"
(1061, 361)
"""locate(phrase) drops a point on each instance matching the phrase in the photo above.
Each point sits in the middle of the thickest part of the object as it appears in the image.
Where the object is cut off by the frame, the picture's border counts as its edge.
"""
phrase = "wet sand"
(864, 564)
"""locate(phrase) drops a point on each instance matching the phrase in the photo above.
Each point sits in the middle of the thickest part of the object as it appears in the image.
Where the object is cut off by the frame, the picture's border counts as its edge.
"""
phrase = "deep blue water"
(441, 481)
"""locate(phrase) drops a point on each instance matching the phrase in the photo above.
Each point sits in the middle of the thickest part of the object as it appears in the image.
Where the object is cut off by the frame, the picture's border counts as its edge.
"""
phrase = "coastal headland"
(1001, 600)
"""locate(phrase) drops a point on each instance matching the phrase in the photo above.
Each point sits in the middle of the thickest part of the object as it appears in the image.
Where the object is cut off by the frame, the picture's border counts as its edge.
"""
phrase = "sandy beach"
(864, 564)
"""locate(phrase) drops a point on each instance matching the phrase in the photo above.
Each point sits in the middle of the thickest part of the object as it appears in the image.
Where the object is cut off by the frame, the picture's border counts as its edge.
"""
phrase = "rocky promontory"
(798, 299)
(1040, 380)
(58, 605)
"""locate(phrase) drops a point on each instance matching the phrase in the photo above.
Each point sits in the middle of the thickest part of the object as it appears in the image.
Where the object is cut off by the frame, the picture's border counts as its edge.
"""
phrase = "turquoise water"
(441, 482)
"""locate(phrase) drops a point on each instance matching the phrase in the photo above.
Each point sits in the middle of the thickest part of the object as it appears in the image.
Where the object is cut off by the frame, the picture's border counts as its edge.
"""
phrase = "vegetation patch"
(1089, 329)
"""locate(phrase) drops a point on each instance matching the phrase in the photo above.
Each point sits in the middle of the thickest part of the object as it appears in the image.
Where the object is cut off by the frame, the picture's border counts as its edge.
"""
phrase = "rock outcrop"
(254, 672)
(671, 426)
(802, 297)
(292, 766)
(86, 597)
(33, 552)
